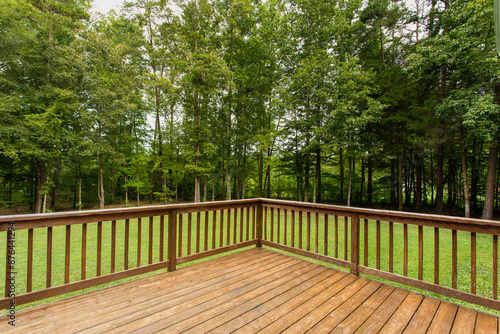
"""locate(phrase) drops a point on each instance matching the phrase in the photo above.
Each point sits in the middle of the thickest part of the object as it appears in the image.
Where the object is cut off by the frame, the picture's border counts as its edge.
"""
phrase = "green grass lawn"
(484, 249)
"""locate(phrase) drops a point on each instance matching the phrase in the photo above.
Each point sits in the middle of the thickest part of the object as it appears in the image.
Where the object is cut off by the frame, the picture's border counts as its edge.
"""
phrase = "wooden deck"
(257, 290)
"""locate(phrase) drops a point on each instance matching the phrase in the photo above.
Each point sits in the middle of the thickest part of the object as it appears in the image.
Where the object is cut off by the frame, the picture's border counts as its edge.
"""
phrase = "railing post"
(172, 238)
(258, 225)
(354, 244)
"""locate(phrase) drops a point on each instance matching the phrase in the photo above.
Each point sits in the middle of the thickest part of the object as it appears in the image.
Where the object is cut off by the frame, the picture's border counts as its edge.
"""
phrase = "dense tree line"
(380, 103)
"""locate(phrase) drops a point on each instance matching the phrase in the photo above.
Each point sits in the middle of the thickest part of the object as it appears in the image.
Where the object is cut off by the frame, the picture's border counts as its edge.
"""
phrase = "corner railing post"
(172, 237)
(258, 226)
(354, 244)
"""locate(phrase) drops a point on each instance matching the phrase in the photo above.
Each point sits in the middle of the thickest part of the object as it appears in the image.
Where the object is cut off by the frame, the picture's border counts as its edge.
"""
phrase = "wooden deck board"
(256, 290)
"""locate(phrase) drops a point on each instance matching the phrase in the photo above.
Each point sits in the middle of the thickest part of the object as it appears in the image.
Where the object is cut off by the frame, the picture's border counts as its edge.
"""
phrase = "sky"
(104, 6)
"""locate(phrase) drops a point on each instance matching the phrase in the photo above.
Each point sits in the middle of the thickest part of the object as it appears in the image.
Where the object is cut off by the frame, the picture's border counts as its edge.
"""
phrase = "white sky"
(104, 6)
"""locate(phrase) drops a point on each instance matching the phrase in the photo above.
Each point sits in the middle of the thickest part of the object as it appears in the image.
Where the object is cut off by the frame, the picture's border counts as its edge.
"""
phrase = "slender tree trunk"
(126, 189)
(393, 184)
(464, 173)
(362, 182)
(205, 189)
(400, 183)
(419, 159)
(317, 179)
(369, 188)
(79, 191)
(349, 191)
(306, 176)
(489, 195)
(439, 180)
(341, 167)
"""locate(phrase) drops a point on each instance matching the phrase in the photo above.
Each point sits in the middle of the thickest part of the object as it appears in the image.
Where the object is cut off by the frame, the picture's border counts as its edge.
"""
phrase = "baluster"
(67, 254)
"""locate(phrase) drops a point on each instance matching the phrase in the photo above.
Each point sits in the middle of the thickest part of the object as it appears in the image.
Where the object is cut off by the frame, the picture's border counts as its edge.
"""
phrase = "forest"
(389, 104)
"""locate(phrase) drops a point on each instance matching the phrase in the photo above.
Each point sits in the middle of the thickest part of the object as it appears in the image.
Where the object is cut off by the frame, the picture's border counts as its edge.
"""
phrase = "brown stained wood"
(241, 224)
(454, 261)
(162, 237)
(319, 319)
(150, 240)
(325, 235)
(264, 222)
(214, 228)
(228, 227)
(258, 225)
(382, 314)
(216, 251)
(205, 245)
(391, 247)
(473, 263)
(254, 222)
(142, 288)
(67, 255)
(113, 246)
(280, 312)
(189, 230)
(48, 270)
(355, 244)
(465, 321)
(139, 241)
(99, 249)
(300, 229)
(378, 244)
(316, 239)
(179, 237)
(172, 233)
(365, 243)
(444, 318)
(422, 318)
(486, 323)
(308, 243)
(364, 311)
(9, 250)
(495, 267)
(272, 224)
(403, 314)
(420, 252)
(292, 227)
(436, 255)
(235, 225)
(284, 293)
(29, 274)
(248, 224)
(198, 231)
(84, 252)
(285, 226)
(336, 236)
(278, 226)
(126, 246)
(405, 249)
(346, 236)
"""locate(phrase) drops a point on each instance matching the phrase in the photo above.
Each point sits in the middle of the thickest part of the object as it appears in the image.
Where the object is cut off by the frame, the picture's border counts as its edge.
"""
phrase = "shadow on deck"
(256, 290)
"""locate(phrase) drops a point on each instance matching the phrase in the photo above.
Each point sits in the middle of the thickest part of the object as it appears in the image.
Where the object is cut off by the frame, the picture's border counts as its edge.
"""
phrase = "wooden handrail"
(227, 225)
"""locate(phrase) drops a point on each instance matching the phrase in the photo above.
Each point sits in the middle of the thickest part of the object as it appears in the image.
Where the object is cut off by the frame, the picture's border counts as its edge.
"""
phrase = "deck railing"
(52, 254)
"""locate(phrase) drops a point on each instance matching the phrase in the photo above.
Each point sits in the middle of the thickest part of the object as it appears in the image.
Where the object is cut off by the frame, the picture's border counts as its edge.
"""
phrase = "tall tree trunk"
(419, 159)
(126, 189)
(464, 173)
(205, 189)
(489, 195)
(341, 167)
(393, 184)
(100, 183)
(439, 179)
(369, 186)
(362, 182)
(400, 183)
(317, 179)
(306, 177)
(349, 191)
(79, 190)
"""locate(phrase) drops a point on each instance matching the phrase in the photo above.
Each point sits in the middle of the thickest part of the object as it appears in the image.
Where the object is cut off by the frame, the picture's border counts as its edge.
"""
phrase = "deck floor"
(256, 290)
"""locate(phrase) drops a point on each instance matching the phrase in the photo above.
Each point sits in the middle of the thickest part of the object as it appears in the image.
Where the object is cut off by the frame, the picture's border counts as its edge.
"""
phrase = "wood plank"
(486, 323)
(316, 239)
(454, 261)
(495, 267)
(405, 251)
(189, 232)
(365, 243)
(300, 229)
(436, 255)
(400, 319)
(67, 255)
(99, 249)
(294, 300)
(205, 245)
(422, 318)
(335, 317)
(294, 289)
(381, 315)
(29, 274)
(192, 312)
(150, 240)
(336, 236)
(285, 226)
(444, 318)
(303, 324)
(346, 237)
(308, 242)
(179, 237)
(139, 241)
(198, 231)
(272, 224)
(242, 223)
(378, 244)
(391, 247)
(126, 246)
(420, 252)
(473, 281)
(214, 228)
(465, 321)
(124, 299)
(364, 311)
(48, 269)
(325, 234)
(113, 246)
(162, 237)
(292, 226)
(278, 226)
